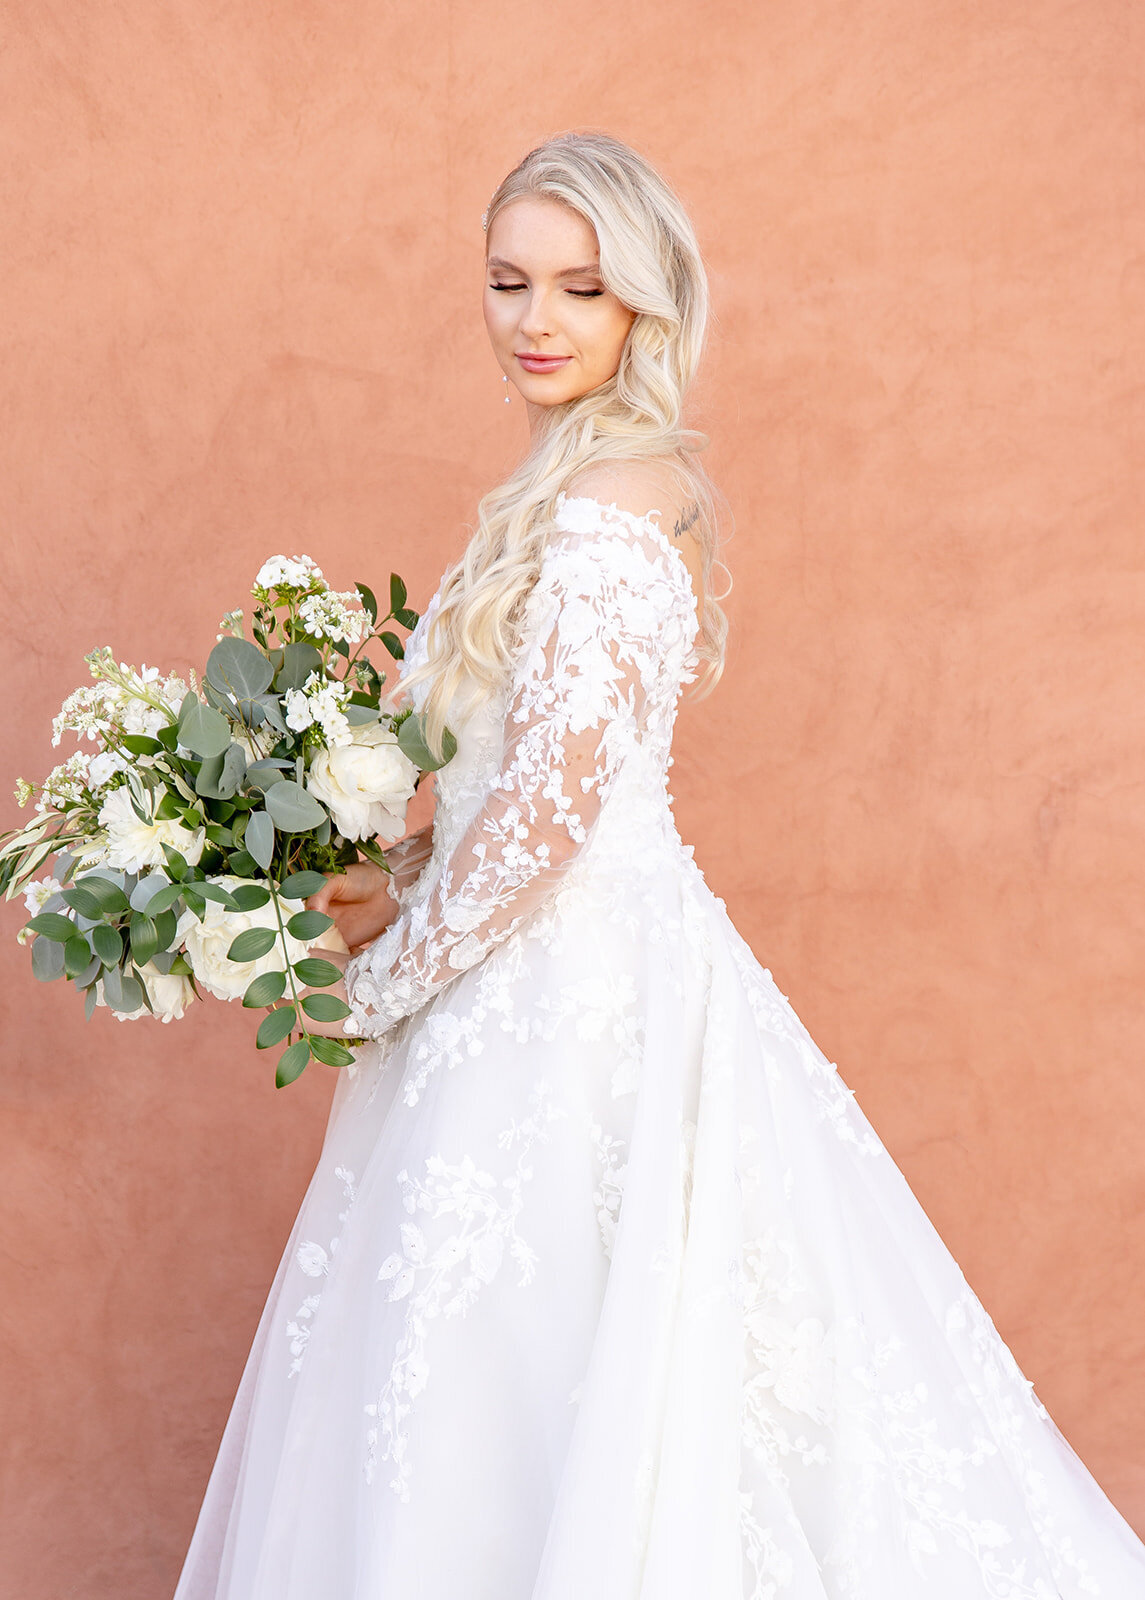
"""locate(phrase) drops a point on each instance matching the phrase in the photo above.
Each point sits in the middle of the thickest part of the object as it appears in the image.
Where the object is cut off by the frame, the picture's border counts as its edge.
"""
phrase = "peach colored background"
(241, 269)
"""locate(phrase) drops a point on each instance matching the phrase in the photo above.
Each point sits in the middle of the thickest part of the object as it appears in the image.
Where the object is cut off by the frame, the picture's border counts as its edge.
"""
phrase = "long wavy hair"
(651, 261)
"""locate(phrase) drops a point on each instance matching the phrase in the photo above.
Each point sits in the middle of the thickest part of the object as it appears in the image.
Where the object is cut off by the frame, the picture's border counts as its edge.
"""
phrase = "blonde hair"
(651, 261)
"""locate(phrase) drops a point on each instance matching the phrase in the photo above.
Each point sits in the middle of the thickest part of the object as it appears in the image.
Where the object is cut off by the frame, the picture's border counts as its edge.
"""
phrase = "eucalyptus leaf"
(271, 707)
(298, 662)
(274, 1028)
(292, 1062)
(91, 1000)
(234, 770)
(360, 716)
(261, 774)
(47, 960)
(258, 839)
(291, 808)
(412, 742)
(322, 831)
(239, 668)
(207, 779)
(90, 973)
(202, 730)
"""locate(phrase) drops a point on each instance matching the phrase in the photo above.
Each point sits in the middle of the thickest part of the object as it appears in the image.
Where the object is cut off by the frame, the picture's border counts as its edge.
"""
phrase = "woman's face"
(544, 298)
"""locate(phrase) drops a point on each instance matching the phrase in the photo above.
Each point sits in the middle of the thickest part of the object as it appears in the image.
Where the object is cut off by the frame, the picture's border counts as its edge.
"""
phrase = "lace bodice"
(570, 756)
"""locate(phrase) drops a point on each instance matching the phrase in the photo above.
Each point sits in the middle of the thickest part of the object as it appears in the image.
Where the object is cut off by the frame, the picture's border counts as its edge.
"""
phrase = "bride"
(604, 1287)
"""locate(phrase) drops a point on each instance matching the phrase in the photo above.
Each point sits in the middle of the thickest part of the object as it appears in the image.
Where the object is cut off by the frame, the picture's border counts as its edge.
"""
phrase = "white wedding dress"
(604, 1287)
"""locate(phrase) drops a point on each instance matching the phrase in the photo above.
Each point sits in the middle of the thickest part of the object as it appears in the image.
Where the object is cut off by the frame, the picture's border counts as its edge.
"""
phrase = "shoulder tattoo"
(684, 522)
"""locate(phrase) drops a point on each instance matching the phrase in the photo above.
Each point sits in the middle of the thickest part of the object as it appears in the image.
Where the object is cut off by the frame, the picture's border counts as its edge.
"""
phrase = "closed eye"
(581, 294)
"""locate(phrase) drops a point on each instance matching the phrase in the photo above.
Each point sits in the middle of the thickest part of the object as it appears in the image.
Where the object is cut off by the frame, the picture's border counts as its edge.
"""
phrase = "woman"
(604, 1287)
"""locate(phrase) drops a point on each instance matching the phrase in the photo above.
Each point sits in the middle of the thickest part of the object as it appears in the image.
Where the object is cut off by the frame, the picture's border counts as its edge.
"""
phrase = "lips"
(538, 363)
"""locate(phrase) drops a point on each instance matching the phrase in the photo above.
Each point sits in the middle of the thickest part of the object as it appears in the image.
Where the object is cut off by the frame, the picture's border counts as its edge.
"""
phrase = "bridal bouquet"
(188, 840)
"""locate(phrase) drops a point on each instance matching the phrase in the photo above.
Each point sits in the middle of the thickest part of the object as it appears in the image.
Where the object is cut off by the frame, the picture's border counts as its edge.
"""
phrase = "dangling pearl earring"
(505, 381)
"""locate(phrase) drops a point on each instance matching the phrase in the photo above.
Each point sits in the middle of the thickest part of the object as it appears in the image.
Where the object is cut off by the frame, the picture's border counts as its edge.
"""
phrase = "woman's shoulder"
(642, 487)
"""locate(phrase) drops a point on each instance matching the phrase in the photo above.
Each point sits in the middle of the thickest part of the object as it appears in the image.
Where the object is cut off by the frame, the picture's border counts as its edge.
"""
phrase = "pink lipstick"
(538, 363)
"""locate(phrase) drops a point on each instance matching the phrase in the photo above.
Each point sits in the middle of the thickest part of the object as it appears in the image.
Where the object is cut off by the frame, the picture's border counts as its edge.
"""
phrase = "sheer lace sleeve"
(611, 598)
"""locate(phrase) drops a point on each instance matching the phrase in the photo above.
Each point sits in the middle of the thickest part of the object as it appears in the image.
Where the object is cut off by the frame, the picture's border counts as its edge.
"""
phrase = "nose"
(536, 320)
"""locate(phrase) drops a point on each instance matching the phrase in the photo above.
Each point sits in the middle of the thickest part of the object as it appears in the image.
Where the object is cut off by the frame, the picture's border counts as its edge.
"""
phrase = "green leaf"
(194, 902)
(243, 865)
(140, 744)
(261, 774)
(90, 1001)
(176, 863)
(292, 1062)
(237, 667)
(122, 991)
(202, 730)
(53, 926)
(291, 808)
(171, 806)
(270, 707)
(77, 954)
(298, 662)
(369, 602)
(330, 1051)
(90, 973)
(275, 1026)
(250, 896)
(397, 592)
(165, 926)
(411, 741)
(265, 989)
(252, 943)
(107, 944)
(168, 737)
(207, 778)
(217, 892)
(360, 716)
(315, 972)
(112, 900)
(301, 885)
(47, 960)
(234, 771)
(325, 1007)
(144, 938)
(307, 925)
(220, 836)
(162, 900)
(80, 900)
(394, 645)
(259, 838)
(406, 617)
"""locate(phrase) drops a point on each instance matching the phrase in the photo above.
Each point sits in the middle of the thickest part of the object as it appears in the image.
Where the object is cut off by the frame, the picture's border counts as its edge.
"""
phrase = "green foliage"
(53, 926)
(275, 1026)
(203, 730)
(265, 990)
(301, 885)
(316, 973)
(307, 925)
(325, 1007)
(252, 943)
(258, 840)
(333, 1053)
(292, 1062)
(292, 808)
(412, 741)
(238, 668)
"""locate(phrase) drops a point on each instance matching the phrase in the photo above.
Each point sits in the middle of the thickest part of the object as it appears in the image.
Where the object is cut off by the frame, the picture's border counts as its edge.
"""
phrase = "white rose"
(366, 784)
(206, 943)
(133, 845)
(170, 995)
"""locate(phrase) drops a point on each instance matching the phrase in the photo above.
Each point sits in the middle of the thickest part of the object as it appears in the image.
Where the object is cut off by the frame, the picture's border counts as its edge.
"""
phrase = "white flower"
(104, 766)
(206, 944)
(319, 703)
(366, 785)
(133, 844)
(289, 572)
(38, 892)
(334, 616)
(169, 992)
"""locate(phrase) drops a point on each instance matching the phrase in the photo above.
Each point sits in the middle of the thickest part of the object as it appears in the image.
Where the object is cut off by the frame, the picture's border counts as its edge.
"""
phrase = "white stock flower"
(39, 891)
(319, 703)
(65, 784)
(169, 992)
(133, 844)
(332, 615)
(206, 943)
(289, 572)
(366, 784)
(104, 766)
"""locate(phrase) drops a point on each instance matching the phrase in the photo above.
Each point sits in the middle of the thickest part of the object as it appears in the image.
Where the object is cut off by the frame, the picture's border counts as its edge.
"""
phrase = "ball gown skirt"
(604, 1288)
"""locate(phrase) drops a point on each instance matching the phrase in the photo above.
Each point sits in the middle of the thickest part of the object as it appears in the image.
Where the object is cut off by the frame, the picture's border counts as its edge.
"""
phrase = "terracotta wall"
(241, 268)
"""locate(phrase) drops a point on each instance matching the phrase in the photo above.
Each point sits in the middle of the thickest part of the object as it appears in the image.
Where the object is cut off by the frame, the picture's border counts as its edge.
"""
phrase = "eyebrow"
(569, 272)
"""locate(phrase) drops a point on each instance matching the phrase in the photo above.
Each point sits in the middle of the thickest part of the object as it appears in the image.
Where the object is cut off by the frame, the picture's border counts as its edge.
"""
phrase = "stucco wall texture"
(240, 315)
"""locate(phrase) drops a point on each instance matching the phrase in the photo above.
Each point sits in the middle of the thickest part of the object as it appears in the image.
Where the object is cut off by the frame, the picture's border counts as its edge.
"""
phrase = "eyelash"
(581, 294)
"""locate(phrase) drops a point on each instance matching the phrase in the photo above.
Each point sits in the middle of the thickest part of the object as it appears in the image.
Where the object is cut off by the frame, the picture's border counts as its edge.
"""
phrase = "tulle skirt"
(605, 1289)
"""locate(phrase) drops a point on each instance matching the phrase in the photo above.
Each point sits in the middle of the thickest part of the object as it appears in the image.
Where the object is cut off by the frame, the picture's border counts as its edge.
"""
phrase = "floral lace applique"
(441, 1274)
(314, 1261)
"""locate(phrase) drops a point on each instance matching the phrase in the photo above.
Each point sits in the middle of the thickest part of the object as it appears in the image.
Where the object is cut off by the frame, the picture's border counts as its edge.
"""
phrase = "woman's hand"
(360, 902)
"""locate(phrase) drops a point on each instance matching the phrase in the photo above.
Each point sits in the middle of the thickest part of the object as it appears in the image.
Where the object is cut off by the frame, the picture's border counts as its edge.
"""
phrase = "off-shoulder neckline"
(644, 522)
